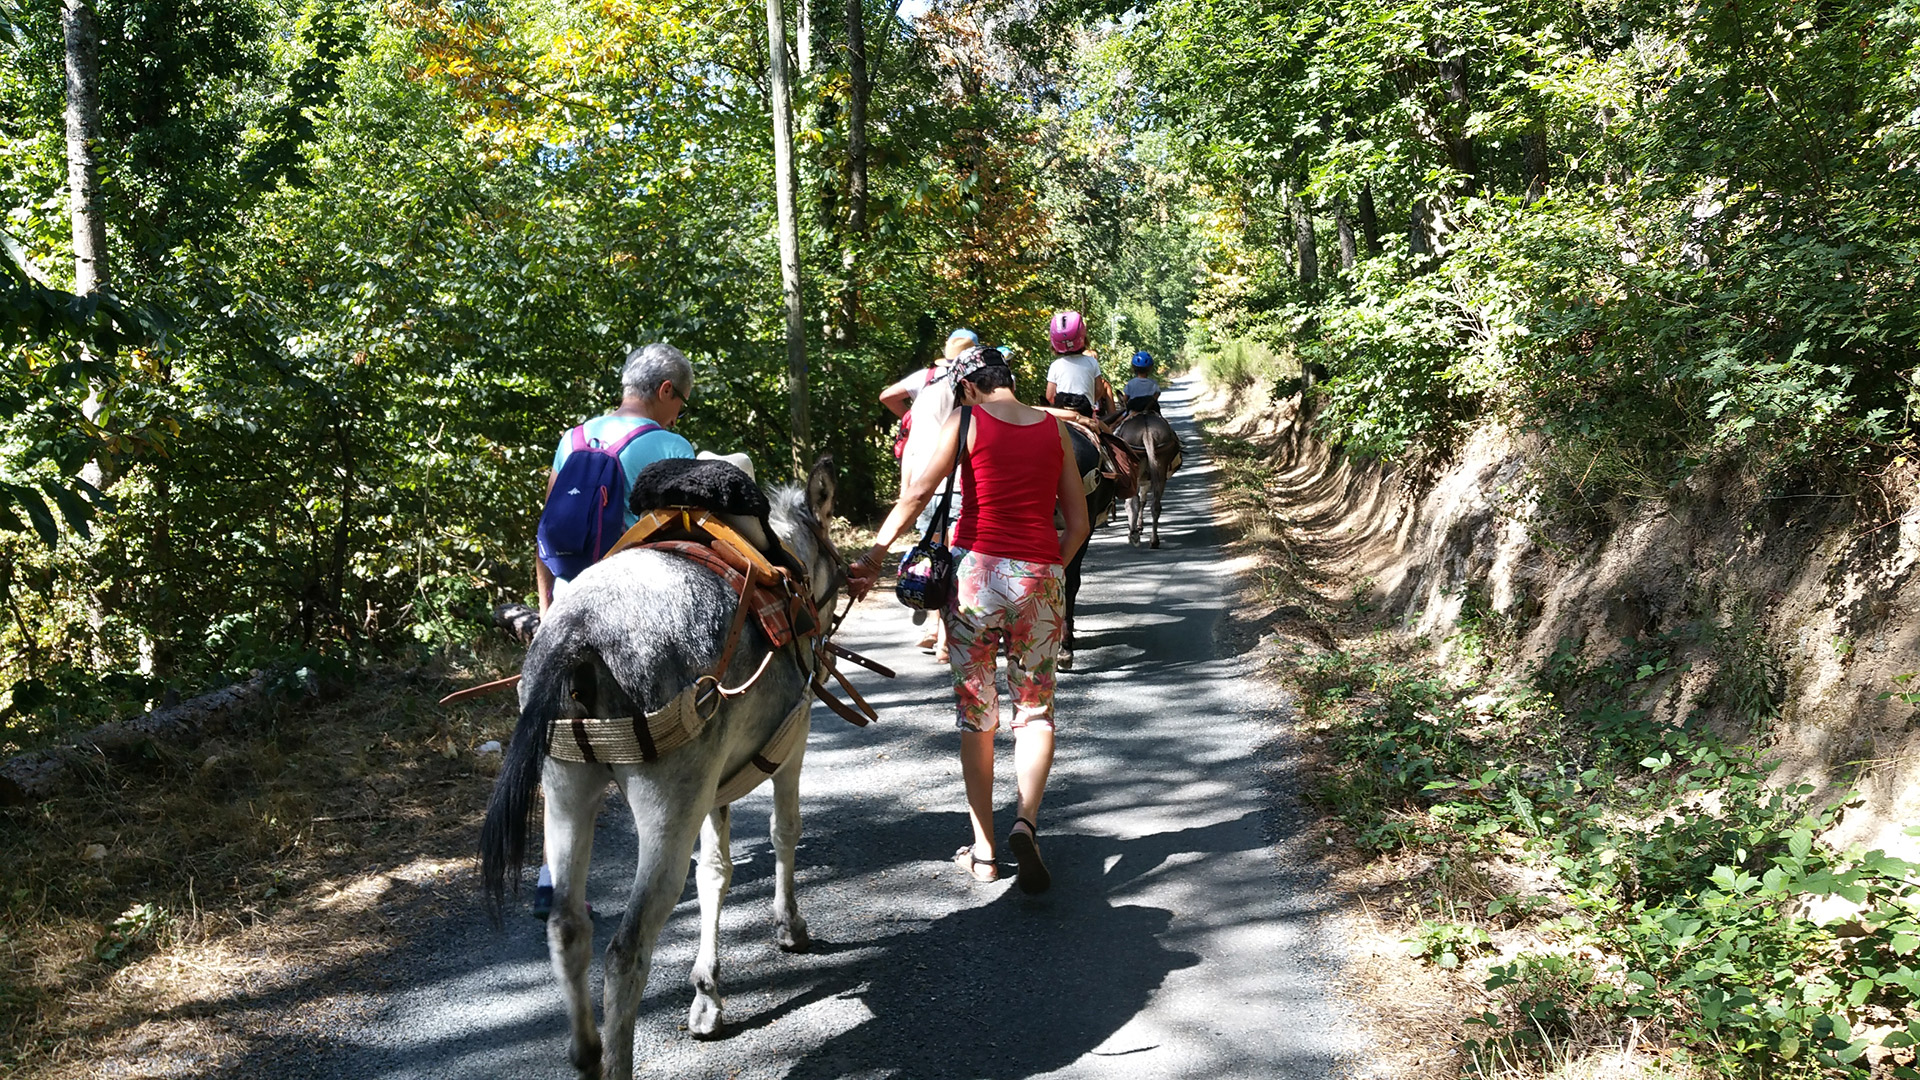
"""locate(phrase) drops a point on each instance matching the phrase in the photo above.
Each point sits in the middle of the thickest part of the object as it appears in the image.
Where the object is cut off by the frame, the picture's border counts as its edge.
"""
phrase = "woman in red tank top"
(1015, 471)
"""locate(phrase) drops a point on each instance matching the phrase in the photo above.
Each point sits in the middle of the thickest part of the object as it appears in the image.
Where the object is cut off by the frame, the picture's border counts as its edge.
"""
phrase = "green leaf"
(29, 500)
(76, 510)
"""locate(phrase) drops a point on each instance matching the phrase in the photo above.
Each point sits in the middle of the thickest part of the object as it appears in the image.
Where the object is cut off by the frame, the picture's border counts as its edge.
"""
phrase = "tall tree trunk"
(1417, 241)
(83, 145)
(336, 598)
(856, 169)
(82, 41)
(1536, 144)
(1369, 221)
(804, 47)
(1309, 256)
(782, 106)
(1460, 148)
(1343, 224)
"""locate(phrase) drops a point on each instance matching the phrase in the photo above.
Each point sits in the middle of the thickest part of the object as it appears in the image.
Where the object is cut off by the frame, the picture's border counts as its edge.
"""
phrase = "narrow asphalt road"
(1177, 941)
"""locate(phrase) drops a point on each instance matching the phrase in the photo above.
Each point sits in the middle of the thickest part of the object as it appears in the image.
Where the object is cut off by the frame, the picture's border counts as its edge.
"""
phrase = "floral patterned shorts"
(1022, 602)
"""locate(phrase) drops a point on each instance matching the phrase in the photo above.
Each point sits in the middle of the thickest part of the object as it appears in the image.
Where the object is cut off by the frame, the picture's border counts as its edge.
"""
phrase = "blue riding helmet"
(1142, 360)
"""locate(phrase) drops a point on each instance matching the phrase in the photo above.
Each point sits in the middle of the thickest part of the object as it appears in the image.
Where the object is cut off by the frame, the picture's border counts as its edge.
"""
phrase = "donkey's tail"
(1157, 461)
(503, 838)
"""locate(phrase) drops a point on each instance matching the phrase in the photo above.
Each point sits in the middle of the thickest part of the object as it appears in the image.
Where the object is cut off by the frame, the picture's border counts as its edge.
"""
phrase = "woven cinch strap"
(634, 740)
(611, 741)
(788, 736)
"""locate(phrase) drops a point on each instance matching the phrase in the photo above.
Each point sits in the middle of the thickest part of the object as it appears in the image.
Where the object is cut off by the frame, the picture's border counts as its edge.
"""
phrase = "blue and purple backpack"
(586, 510)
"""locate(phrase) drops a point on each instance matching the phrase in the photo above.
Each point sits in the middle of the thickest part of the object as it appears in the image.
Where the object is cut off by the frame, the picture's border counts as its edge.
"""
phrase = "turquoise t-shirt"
(656, 445)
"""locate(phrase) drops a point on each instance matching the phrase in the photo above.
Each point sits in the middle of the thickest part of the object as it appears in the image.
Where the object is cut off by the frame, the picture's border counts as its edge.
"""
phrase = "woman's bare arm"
(906, 509)
(898, 397)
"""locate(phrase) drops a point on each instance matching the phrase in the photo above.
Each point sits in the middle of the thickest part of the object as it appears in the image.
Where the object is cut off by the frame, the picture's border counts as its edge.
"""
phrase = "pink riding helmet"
(1068, 332)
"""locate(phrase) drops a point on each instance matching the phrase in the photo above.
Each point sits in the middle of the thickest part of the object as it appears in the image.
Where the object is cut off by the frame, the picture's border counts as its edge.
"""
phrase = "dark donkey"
(1157, 448)
(1100, 490)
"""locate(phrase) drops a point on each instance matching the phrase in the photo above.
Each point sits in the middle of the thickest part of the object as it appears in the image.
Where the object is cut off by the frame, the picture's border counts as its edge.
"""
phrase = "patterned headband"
(973, 360)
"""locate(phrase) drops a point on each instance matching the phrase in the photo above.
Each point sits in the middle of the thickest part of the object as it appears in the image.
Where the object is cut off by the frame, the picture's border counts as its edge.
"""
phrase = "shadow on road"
(1172, 943)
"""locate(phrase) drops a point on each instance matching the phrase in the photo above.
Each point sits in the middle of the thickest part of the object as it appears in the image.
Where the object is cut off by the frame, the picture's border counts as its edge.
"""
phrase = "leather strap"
(733, 632)
(865, 708)
(839, 707)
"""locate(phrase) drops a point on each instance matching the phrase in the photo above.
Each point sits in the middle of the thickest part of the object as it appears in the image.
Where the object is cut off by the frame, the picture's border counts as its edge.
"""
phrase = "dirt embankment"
(1796, 611)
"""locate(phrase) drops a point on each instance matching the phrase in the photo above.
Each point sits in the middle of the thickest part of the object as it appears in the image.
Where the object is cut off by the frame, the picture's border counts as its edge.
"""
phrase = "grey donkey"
(1151, 435)
(635, 629)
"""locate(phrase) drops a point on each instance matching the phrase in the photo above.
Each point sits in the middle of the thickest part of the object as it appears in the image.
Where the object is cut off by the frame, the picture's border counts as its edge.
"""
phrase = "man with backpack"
(595, 463)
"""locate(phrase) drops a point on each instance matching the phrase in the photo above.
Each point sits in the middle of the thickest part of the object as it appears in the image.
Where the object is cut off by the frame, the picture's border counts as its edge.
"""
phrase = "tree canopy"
(369, 260)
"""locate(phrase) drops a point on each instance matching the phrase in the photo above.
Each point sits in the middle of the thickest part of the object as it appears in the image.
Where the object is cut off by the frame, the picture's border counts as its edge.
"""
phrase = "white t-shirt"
(1140, 386)
(917, 381)
(927, 375)
(1074, 374)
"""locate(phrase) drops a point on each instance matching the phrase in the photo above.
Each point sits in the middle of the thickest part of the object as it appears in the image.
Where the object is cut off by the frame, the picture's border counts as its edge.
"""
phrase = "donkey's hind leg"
(789, 929)
(713, 875)
(666, 818)
(1159, 493)
(574, 792)
(1136, 503)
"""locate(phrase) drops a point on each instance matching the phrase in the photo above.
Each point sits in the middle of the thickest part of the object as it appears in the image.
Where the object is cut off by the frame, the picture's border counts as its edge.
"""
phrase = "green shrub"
(1674, 857)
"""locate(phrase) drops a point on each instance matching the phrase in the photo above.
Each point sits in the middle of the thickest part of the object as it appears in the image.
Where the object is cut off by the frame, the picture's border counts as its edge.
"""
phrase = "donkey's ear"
(820, 488)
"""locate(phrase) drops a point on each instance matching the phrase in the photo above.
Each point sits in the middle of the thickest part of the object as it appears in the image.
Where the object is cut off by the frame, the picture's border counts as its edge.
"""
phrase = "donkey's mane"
(788, 505)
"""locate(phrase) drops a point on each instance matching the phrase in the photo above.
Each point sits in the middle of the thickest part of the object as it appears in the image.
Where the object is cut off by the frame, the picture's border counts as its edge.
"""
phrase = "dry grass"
(155, 911)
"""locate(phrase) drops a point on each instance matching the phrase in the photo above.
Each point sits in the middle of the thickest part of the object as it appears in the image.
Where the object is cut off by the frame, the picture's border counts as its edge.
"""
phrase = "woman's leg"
(1032, 761)
(976, 768)
(972, 621)
(1033, 643)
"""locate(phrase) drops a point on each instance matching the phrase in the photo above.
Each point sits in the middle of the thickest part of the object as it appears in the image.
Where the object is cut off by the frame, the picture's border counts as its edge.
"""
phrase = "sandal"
(1033, 876)
(981, 870)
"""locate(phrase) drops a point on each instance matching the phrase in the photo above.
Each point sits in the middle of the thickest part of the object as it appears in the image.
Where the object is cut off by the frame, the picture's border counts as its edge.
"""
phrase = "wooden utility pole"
(789, 235)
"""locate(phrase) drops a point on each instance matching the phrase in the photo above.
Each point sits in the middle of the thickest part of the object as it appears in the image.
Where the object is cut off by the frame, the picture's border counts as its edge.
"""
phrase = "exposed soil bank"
(1795, 611)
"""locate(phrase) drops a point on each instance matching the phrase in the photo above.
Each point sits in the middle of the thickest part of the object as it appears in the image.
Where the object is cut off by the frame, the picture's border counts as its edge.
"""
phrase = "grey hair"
(650, 365)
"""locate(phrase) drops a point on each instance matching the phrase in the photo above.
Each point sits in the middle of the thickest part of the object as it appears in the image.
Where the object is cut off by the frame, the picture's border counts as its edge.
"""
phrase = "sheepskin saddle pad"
(713, 485)
(718, 487)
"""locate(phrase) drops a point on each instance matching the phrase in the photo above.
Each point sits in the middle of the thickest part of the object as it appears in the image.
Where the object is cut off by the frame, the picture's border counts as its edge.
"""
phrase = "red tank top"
(1009, 483)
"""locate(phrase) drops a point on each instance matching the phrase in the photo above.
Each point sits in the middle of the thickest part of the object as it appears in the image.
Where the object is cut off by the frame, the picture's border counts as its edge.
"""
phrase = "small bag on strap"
(926, 572)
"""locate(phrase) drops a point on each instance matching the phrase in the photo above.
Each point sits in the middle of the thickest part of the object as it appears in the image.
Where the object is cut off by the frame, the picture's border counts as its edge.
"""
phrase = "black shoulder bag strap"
(937, 526)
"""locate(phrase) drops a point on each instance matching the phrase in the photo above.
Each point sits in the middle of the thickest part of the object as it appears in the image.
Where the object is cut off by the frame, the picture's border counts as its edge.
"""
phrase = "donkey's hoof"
(1156, 542)
(586, 1059)
(704, 1019)
(793, 937)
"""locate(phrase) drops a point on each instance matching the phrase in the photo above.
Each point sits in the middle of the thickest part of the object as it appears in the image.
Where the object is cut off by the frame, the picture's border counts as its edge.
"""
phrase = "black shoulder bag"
(925, 582)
